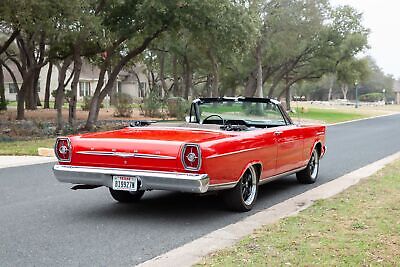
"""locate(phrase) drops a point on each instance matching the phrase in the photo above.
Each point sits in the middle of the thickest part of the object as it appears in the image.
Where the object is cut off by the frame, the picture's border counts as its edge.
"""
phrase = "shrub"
(86, 103)
(371, 97)
(123, 105)
(152, 105)
(3, 105)
(177, 107)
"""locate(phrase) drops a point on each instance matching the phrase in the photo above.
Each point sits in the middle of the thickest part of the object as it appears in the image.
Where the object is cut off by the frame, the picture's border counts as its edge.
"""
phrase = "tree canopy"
(190, 48)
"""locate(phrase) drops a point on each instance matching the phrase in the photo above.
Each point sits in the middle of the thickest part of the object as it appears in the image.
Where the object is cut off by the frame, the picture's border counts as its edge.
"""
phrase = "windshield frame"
(195, 116)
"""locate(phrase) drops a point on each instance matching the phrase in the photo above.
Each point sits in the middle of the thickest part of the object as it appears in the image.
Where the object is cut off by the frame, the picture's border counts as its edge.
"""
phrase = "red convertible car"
(227, 144)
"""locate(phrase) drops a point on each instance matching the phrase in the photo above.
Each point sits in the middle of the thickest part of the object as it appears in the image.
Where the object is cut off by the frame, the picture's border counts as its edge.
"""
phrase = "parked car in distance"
(229, 144)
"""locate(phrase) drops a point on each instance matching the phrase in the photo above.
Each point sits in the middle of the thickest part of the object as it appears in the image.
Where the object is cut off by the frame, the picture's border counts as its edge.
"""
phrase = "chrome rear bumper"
(183, 182)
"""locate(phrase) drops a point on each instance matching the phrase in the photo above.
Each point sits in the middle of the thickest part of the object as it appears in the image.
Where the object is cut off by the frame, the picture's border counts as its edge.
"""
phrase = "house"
(396, 89)
(133, 82)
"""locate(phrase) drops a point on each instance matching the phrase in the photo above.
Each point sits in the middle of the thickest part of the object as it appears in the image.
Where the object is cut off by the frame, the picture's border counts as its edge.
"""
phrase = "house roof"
(89, 71)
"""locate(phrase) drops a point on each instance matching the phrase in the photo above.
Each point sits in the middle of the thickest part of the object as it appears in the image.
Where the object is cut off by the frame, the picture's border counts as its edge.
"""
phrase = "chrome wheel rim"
(314, 164)
(249, 186)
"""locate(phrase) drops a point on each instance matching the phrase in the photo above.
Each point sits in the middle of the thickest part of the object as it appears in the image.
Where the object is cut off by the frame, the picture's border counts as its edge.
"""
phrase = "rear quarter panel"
(226, 160)
(312, 134)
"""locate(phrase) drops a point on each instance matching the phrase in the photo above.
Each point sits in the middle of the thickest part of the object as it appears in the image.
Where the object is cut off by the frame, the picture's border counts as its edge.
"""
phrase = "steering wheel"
(214, 115)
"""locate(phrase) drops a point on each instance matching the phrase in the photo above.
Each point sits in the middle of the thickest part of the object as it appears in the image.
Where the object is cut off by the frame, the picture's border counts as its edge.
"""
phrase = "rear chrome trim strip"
(273, 178)
(223, 186)
(125, 154)
(231, 185)
(232, 153)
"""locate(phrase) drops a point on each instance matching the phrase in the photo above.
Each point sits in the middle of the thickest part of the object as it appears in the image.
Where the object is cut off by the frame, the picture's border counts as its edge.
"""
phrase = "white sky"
(383, 19)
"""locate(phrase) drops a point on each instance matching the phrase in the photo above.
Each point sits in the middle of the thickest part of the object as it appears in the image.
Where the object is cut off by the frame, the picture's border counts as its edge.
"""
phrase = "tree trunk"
(74, 87)
(3, 103)
(330, 93)
(100, 93)
(331, 83)
(9, 41)
(176, 90)
(259, 87)
(277, 79)
(47, 90)
(162, 74)
(288, 98)
(215, 74)
(36, 87)
(188, 77)
(62, 73)
(21, 103)
(94, 109)
(345, 89)
(251, 84)
(113, 91)
(30, 93)
(207, 86)
(27, 82)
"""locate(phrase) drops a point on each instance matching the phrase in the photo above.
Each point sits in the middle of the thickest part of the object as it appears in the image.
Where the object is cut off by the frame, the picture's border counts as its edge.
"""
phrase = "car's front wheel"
(125, 196)
(243, 196)
(310, 174)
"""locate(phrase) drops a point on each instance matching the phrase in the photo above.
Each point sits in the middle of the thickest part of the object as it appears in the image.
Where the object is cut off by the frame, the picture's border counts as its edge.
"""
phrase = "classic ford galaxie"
(227, 144)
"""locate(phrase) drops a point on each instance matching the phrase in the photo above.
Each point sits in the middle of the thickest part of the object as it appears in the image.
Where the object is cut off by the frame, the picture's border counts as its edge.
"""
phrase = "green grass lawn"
(359, 227)
(328, 115)
(25, 147)
(317, 114)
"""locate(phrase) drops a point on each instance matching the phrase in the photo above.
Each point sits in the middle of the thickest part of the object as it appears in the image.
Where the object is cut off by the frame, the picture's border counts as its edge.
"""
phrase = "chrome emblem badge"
(63, 150)
(191, 157)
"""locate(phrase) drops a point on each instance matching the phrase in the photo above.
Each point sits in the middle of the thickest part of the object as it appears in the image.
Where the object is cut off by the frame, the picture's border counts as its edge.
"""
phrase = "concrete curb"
(16, 161)
(46, 152)
(193, 252)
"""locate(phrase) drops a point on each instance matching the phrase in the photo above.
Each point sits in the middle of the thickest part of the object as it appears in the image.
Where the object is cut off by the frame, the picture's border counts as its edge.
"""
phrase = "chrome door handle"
(278, 133)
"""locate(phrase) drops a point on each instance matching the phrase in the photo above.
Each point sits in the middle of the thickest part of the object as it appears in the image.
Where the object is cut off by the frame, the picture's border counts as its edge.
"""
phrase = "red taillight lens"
(191, 157)
(63, 149)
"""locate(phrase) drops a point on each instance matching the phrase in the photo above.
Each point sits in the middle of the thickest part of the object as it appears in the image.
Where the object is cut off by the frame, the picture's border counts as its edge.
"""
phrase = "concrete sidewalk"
(15, 161)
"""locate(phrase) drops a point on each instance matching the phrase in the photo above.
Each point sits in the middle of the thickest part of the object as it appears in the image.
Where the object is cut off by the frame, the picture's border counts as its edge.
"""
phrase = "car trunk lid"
(147, 148)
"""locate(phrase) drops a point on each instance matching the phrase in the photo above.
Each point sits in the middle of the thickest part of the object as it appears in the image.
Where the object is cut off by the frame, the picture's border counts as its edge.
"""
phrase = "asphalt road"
(43, 223)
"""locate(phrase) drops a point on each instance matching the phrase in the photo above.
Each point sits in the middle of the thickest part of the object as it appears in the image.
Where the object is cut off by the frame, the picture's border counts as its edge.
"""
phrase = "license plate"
(124, 183)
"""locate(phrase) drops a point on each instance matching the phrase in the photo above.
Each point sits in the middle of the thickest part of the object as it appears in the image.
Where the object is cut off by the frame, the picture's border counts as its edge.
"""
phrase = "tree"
(350, 73)
(37, 25)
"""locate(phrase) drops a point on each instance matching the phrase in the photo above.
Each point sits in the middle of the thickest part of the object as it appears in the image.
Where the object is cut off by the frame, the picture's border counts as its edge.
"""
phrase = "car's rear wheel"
(125, 196)
(243, 196)
(310, 174)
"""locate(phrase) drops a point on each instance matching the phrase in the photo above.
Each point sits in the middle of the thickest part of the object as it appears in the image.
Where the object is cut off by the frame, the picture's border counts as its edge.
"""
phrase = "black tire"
(310, 174)
(243, 196)
(125, 196)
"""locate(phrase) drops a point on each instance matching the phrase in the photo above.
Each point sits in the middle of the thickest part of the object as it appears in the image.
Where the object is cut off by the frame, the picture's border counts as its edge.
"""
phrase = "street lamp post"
(384, 96)
(356, 84)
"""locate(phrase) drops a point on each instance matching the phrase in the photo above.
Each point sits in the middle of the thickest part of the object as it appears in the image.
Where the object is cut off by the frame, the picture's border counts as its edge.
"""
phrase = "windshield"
(249, 112)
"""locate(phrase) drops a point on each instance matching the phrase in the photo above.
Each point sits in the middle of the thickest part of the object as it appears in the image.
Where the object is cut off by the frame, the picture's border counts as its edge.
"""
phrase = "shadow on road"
(181, 207)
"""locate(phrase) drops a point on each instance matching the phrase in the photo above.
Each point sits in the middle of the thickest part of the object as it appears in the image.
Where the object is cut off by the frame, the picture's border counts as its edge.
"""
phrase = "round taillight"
(191, 157)
(63, 149)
